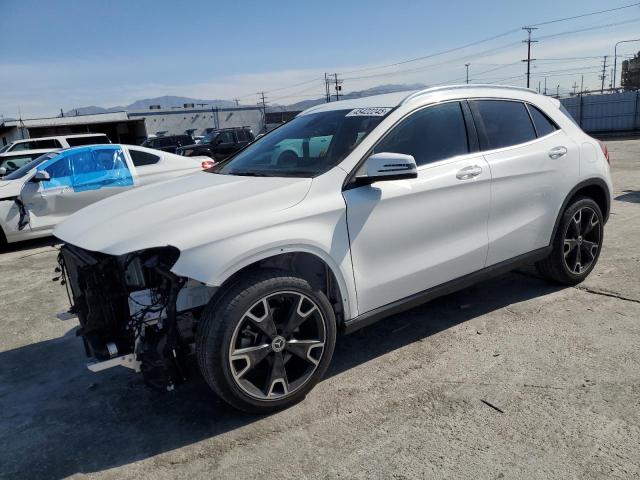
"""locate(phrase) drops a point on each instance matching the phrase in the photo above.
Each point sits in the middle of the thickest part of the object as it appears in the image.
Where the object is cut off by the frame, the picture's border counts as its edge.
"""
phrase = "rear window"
(506, 123)
(568, 115)
(93, 140)
(544, 126)
(141, 159)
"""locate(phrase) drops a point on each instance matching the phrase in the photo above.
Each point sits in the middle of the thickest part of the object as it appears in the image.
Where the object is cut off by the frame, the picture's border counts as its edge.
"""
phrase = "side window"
(226, 137)
(241, 135)
(18, 147)
(432, 134)
(93, 140)
(141, 159)
(95, 168)
(544, 126)
(60, 172)
(505, 122)
(51, 143)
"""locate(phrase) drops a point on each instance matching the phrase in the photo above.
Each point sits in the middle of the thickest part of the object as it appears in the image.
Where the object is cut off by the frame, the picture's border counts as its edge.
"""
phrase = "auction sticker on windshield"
(369, 112)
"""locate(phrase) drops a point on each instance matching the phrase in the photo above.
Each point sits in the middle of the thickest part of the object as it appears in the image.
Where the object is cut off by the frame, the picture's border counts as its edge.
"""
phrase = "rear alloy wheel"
(266, 341)
(577, 245)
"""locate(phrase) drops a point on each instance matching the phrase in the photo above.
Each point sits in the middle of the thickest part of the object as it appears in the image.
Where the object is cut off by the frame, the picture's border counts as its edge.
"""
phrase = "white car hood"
(184, 212)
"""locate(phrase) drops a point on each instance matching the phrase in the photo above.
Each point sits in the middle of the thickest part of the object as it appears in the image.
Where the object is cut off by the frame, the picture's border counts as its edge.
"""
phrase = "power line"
(585, 15)
(588, 29)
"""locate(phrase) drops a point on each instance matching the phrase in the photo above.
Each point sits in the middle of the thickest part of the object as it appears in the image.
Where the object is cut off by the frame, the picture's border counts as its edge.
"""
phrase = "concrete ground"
(513, 378)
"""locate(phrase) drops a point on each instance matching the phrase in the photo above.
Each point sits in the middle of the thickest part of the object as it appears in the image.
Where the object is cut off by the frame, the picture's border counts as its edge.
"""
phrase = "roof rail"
(427, 91)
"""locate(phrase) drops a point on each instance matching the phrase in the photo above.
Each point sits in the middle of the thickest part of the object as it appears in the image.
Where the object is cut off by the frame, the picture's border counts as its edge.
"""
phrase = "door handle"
(469, 172)
(557, 152)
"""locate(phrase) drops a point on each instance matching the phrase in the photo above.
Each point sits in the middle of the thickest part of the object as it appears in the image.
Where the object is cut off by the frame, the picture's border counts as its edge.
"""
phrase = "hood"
(184, 212)
(11, 188)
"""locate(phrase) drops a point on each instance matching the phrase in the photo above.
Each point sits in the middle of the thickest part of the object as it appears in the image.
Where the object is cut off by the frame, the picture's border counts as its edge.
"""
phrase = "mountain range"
(169, 101)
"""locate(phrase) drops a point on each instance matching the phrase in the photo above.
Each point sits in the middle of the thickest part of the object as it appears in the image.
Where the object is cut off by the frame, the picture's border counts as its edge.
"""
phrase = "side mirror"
(41, 176)
(3, 171)
(388, 166)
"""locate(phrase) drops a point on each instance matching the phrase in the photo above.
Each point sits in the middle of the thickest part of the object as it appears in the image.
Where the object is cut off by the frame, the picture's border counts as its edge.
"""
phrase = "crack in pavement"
(604, 293)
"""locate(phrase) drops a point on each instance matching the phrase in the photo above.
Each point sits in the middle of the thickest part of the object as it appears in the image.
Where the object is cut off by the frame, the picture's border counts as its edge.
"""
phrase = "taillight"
(605, 151)
(208, 164)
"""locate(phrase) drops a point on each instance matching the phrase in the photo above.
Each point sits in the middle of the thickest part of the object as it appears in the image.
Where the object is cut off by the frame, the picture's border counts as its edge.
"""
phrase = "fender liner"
(598, 182)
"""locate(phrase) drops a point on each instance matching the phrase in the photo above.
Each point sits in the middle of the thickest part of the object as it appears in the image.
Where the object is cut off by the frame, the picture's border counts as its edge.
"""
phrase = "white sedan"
(40, 194)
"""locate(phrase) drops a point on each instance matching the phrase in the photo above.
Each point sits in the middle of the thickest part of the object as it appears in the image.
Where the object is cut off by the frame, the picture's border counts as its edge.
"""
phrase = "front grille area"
(99, 299)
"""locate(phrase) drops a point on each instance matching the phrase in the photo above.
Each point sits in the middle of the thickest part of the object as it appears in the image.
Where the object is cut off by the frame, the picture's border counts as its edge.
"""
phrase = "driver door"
(408, 236)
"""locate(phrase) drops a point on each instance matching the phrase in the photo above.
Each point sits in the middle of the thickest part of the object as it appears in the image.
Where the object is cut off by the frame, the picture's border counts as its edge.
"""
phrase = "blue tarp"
(88, 168)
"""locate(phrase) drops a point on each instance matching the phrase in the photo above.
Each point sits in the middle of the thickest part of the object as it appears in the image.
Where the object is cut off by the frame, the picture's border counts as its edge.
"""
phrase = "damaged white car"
(38, 195)
(257, 263)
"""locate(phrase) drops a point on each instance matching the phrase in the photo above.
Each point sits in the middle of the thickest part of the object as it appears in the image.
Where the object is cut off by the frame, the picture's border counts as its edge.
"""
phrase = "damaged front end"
(134, 312)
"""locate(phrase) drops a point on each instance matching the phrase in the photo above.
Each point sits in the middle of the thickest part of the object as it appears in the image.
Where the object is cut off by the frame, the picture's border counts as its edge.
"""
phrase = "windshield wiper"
(248, 173)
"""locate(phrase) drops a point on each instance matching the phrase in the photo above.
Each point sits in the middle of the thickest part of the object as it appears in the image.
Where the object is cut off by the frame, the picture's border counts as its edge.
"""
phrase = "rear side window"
(141, 159)
(432, 134)
(241, 135)
(506, 123)
(94, 140)
(544, 126)
(50, 143)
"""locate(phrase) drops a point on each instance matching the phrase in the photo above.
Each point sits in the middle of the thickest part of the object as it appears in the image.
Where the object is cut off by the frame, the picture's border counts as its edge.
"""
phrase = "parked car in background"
(168, 143)
(10, 162)
(41, 193)
(392, 200)
(20, 152)
(219, 144)
(56, 142)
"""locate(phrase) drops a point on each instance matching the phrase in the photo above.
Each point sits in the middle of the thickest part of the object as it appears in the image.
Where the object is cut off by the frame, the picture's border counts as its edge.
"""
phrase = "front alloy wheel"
(277, 345)
(266, 341)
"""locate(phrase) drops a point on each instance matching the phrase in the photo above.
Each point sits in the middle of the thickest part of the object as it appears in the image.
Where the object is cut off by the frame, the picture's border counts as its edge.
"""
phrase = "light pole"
(615, 59)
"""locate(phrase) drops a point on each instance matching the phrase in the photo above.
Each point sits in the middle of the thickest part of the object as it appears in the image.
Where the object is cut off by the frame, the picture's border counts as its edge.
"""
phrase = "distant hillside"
(166, 101)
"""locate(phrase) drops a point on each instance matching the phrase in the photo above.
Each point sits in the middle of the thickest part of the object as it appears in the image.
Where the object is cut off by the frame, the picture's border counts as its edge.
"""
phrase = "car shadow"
(631, 196)
(58, 419)
(29, 245)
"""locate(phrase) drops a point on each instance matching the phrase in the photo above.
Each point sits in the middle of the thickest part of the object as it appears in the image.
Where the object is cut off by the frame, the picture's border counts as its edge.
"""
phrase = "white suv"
(257, 263)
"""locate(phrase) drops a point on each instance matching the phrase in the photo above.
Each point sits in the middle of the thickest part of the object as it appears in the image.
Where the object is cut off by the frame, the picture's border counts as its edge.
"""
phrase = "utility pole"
(604, 73)
(558, 91)
(582, 84)
(237, 100)
(615, 59)
(337, 85)
(467, 65)
(528, 41)
(263, 102)
(327, 88)
(575, 87)
(545, 85)
(539, 82)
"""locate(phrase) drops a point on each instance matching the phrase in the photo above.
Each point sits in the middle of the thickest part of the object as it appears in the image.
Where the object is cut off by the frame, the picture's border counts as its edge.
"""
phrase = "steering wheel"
(287, 158)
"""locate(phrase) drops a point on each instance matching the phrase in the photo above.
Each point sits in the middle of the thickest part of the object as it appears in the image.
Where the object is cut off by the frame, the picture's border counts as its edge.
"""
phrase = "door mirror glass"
(41, 176)
(388, 166)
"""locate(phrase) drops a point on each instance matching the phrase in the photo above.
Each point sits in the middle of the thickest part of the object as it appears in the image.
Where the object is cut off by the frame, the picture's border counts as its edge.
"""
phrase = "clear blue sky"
(70, 53)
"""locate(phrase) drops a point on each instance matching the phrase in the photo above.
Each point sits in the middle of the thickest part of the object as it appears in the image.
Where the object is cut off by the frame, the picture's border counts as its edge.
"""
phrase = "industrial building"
(631, 73)
(134, 126)
(118, 126)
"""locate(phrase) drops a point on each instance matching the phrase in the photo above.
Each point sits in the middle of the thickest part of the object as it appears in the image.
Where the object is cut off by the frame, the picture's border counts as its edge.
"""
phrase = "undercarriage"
(134, 312)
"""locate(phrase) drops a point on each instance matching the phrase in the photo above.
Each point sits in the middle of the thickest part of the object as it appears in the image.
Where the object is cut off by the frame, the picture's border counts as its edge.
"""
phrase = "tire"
(577, 243)
(250, 334)
(3, 241)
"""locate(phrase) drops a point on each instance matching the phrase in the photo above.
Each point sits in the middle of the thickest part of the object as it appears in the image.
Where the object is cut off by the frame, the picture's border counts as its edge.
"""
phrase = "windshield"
(23, 170)
(5, 148)
(307, 146)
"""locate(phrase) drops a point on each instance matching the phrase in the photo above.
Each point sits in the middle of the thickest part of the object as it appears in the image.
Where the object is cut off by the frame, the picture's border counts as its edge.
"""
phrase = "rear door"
(533, 163)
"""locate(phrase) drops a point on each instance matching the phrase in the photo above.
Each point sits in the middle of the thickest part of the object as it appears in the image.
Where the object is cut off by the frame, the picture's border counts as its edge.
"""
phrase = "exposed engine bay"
(134, 312)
